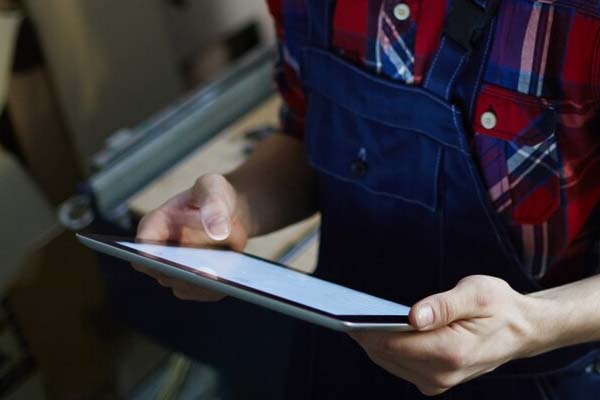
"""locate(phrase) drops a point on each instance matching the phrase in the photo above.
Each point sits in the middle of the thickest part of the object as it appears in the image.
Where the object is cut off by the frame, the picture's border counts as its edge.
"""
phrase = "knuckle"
(168, 282)
(387, 345)
(151, 226)
(379, 347)
(477, 282)
(430, 390)
(445, 380)
(483, 299)
(144, 223)
(486, 289)
(210, 180)
(213, 296)
(446, 308)
(204, 295)
(182, 295)
(455, 359)
(484, 282)
(163, 282)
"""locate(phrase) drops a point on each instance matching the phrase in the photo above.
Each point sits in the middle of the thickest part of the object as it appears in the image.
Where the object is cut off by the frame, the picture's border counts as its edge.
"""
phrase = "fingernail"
(424, 316)
(218, 228)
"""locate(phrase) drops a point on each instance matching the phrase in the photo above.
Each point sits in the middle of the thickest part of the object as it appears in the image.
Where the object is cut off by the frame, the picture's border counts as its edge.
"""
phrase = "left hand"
(460, 334)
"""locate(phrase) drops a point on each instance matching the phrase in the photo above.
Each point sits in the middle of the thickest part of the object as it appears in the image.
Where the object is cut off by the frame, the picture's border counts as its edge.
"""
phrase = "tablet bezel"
(113, 241)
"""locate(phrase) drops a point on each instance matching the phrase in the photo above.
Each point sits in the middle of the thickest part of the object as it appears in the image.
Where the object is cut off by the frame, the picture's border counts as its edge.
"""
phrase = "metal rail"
(168, 137)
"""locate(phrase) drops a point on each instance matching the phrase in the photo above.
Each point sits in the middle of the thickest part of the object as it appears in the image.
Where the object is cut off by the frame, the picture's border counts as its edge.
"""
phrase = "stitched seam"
(367, 117)
(481, 68)
(496, 232)
(368, 189)
(436, 178)
(441, 182)
(499, 92)
(454, 75)
(459, 131)
(435, 60)
(487, 211)
(406, 88)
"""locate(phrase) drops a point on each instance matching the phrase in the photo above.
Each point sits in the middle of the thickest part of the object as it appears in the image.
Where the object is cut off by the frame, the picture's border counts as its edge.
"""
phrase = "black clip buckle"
(466, 22)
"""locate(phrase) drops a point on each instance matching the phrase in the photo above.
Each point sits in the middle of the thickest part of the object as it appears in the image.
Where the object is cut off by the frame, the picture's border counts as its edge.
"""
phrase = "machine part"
(169, 136)
(76, 213)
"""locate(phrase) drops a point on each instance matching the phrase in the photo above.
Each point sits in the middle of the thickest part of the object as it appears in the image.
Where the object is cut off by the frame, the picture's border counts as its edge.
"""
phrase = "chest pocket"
(516, 140)
(360, 131)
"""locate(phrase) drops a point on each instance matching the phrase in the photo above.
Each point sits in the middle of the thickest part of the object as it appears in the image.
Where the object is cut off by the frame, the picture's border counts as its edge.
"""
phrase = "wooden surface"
(222, 154)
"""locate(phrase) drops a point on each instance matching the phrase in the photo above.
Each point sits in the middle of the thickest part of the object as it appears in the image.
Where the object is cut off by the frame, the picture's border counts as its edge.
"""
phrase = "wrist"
(547, 323)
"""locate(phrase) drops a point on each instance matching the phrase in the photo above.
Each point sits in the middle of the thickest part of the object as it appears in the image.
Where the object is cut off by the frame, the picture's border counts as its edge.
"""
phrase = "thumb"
(216, 219)
(444, 308)
(213, 196)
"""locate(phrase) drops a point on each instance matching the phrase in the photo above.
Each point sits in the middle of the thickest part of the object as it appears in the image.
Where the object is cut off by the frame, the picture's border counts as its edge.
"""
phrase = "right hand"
(206, 214)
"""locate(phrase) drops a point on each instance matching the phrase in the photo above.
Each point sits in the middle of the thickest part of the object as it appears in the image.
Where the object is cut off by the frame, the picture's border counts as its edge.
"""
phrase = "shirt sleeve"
(290, 25)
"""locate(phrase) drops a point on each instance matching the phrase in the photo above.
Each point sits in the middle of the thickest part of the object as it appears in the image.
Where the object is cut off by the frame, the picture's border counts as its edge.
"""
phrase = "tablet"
(261, 282)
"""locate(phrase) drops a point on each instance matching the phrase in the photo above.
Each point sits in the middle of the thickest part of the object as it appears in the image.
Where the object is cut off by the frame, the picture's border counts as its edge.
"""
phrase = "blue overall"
(405, 215)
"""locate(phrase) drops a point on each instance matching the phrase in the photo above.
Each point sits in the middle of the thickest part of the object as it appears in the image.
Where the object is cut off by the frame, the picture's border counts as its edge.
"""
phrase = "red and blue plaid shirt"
(540, 155)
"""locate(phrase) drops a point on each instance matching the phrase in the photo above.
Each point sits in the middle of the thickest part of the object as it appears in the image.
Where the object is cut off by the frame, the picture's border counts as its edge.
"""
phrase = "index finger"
(154, 226)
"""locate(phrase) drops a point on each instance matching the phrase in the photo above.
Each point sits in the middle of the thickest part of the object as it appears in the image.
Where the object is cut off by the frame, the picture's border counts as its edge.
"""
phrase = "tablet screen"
(262, 276)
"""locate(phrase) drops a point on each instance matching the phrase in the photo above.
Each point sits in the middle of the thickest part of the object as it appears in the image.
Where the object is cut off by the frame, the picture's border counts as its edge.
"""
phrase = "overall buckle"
(466, 22)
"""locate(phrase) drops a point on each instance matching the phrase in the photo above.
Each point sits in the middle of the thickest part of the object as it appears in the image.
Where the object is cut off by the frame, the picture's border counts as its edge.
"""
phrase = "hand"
(461, 334)
(209, 213)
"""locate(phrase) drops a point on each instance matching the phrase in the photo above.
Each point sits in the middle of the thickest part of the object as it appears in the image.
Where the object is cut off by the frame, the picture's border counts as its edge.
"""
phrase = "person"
(452, 149)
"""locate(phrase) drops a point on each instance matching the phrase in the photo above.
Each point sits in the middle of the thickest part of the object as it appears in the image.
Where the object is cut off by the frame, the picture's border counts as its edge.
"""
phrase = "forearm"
(566, 315)
(275, 186)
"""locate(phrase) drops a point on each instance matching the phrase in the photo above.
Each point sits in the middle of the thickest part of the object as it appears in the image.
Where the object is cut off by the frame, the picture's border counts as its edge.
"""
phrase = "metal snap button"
(488, 120)
(402, 12)
(359, 168)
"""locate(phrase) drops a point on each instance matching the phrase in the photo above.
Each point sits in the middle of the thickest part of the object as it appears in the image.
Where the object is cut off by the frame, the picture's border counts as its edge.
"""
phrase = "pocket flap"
(517, 145)
(512, 116)
(383, 160)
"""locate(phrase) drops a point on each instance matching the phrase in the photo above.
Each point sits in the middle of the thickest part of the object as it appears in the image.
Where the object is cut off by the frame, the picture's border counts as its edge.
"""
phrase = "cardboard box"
(81, 352)
(9, 24)
(28, 220)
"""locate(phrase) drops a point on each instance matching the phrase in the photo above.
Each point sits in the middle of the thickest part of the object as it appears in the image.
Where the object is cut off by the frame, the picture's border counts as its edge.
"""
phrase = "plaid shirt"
(536, 120)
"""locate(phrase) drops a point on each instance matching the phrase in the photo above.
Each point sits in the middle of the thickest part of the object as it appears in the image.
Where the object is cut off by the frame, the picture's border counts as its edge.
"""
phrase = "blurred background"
(108, 108)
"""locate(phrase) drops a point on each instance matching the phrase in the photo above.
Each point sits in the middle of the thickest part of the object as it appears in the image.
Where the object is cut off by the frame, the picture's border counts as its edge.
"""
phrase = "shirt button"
(402, 12)
(488, 120)
(359, 168)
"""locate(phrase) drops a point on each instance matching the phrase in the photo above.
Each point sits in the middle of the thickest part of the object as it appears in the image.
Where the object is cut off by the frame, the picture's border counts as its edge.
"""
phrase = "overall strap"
(320, 17)
(463, 32)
